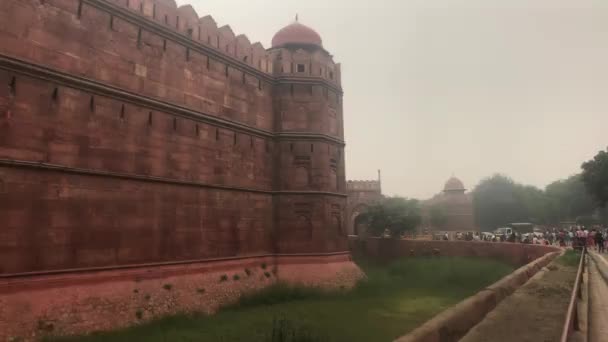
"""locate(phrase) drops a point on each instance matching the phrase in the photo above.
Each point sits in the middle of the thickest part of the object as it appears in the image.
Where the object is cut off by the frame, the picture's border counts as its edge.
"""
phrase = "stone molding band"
(155, 179)
(9, 276)
(165, 32)
(12, 64)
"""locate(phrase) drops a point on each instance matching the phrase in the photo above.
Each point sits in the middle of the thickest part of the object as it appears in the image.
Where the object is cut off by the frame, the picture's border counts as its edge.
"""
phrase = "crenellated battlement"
(363, 185)
(204, 30)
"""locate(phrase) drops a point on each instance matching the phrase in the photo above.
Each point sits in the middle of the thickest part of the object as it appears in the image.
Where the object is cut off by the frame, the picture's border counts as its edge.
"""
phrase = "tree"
(496, 202)
(437, 216)
(533, 204)
(568, 200)
(595, 177)
(395, 215)
(499, 201)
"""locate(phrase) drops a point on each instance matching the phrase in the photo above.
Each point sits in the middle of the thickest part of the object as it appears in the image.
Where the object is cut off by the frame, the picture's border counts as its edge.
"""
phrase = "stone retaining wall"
(82, 302)
(453, 323)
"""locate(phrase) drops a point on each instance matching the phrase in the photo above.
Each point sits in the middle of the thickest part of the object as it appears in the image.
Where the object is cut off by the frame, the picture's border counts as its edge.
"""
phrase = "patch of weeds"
(139, 314)
(167, 287)
(135, 291)
(223, 278)
(236, 277)
(552, 268)
(147, 297)
(267, 274)
(570, 258)
(248, 272)
(200, 291)
(264, 266)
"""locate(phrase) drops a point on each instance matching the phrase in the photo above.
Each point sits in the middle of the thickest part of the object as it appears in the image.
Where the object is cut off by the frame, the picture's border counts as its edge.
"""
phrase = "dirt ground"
(598, 298)
(534, 313)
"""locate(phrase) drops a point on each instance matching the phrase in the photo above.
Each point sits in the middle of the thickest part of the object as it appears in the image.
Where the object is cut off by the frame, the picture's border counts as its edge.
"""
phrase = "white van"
(504, 231)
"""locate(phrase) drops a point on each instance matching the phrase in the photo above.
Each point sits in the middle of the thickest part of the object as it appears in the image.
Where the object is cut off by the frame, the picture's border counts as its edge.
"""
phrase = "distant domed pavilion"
(450, 210)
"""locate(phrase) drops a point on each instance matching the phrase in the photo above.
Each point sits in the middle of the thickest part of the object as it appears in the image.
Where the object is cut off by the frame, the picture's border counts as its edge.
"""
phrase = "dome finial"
(296, 17)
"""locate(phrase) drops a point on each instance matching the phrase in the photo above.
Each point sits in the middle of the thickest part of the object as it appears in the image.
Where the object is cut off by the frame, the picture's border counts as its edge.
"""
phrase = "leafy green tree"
(595, 177)
(497, 202)
(395, 215)
(533, 204)
(437, 216)
(569, 200)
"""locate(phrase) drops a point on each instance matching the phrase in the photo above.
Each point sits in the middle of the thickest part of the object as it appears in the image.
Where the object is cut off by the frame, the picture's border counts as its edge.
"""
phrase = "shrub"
(147, 297)
(236, 277)
(201, 290)
(267, 274)
(136, 291)
(139, 314)
(248, 272)
(223, 278)
(167, 287)
(264, 266)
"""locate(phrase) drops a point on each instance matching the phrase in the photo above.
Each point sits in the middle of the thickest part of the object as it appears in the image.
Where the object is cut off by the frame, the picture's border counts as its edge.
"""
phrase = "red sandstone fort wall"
(85, 40)
(74, 128)
(52, 220)
(147, 135)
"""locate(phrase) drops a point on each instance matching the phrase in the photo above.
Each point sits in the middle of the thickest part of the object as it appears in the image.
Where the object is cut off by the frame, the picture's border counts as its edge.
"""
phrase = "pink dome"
(296, 33)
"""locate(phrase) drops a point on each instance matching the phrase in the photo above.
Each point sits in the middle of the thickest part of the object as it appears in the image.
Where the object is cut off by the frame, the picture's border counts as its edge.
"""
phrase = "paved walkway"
(598, 298)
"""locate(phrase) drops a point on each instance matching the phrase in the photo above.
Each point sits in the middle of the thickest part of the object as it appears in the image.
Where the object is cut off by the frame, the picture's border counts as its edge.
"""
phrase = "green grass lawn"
(394, 299)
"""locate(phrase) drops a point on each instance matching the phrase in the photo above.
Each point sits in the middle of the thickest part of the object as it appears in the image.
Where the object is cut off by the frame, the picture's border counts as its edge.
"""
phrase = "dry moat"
(396, 298)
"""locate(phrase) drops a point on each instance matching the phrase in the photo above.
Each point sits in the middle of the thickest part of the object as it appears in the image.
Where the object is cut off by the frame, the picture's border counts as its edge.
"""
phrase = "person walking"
(599, 241)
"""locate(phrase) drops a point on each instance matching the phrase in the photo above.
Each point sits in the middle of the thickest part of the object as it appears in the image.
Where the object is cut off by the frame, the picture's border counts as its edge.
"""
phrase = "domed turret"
(298, 34)
(454, 184)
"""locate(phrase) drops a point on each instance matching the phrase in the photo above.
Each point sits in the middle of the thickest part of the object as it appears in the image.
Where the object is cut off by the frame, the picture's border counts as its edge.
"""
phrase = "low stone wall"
(84, 301)
(453, 323)
(513, 253)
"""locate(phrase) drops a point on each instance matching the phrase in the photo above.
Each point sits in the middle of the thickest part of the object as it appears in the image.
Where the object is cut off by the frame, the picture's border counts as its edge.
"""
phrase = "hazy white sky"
(469, 87)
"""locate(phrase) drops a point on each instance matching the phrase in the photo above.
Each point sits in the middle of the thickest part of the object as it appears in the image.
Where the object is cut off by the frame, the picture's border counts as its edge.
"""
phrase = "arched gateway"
(361, 194)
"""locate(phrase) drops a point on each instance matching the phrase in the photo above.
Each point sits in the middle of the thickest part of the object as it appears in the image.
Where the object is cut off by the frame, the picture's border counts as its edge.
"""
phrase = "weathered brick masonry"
(134, 133)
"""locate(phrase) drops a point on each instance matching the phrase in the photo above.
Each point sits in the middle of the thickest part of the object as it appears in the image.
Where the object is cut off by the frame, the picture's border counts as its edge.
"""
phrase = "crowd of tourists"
(595, 238)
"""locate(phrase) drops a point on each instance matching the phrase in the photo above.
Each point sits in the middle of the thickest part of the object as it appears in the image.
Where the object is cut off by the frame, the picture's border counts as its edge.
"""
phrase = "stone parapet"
(453, 323)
